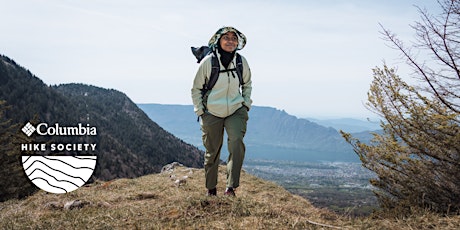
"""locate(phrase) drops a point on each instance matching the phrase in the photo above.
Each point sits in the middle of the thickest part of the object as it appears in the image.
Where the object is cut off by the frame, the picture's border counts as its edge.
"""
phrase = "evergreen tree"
(14, 184)
(417, 158)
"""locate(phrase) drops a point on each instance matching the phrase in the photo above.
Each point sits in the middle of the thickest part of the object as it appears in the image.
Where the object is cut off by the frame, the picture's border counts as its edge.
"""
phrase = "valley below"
(342, 187)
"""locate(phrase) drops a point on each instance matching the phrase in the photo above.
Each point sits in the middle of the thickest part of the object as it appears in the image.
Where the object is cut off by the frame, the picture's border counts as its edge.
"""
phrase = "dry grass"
(157, 202)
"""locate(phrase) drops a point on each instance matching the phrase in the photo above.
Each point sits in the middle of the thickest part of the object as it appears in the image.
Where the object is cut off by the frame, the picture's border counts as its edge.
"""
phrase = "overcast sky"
(310, 58)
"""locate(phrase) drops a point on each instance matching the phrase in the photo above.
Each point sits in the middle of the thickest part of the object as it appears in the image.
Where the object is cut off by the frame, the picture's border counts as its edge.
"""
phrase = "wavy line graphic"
(85, 158)
(59, 174)
(45, 185)
(39, 171)
(67, 165)
(26, 159)
(74, 163)
(57, 171)
(63, 169)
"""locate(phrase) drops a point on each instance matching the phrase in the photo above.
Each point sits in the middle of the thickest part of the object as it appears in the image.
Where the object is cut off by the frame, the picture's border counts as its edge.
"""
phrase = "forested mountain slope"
(129, 144)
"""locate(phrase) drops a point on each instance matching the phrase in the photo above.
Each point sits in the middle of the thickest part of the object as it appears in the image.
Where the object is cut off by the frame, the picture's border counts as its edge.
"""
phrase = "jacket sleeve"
(198, 82)
(247, 87)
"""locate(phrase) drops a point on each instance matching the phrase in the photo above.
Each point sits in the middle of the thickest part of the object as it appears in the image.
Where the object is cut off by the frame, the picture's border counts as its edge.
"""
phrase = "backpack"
(202, 52)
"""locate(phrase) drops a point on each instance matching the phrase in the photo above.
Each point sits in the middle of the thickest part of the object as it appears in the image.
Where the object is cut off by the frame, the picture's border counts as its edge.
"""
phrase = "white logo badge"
(59, 174)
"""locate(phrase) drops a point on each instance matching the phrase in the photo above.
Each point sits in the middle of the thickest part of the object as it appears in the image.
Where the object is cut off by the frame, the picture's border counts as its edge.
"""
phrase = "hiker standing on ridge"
(220, 104)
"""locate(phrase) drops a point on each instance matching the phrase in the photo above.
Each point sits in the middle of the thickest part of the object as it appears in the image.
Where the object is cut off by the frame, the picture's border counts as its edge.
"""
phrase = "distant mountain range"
(271, 134)
(129, 144)
(349, 125)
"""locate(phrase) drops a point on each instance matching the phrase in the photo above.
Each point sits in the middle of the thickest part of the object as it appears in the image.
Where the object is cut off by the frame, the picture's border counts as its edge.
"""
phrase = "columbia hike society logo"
(59, 174)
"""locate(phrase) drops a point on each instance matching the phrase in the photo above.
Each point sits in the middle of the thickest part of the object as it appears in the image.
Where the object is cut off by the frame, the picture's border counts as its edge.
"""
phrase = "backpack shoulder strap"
(239, 68)
(215, 68)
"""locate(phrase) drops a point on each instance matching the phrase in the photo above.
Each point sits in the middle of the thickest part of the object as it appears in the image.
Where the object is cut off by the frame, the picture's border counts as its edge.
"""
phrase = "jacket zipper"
(228, 89)
(229, 82)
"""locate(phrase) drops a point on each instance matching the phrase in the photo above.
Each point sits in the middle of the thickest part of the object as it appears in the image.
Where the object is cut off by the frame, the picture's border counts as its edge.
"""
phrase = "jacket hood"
(213, 42)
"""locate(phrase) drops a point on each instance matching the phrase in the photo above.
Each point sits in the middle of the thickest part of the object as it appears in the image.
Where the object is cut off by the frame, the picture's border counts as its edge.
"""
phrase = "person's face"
(229, 42)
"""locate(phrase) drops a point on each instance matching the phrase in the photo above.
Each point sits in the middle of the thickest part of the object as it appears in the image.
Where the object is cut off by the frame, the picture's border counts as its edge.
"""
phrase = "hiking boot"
(229, 192)
(212, 192)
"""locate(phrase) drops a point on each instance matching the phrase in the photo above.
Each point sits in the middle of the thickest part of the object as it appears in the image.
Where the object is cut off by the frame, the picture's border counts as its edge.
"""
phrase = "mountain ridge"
(271, 133)
(349, 125)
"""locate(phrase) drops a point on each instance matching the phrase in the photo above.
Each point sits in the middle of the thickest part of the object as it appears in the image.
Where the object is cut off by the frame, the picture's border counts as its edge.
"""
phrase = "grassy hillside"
(157, 202)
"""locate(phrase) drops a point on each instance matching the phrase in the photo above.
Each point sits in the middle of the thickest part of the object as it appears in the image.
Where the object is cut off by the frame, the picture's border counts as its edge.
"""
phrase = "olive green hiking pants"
(212, 128)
